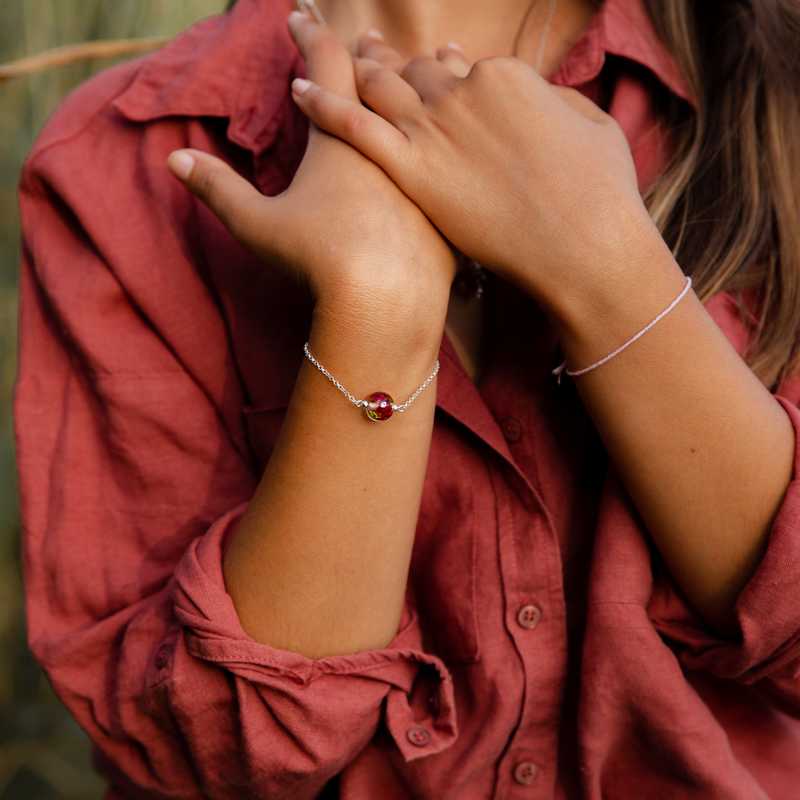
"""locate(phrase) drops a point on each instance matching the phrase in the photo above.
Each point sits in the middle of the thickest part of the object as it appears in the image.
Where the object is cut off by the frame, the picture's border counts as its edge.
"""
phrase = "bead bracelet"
(378, 406)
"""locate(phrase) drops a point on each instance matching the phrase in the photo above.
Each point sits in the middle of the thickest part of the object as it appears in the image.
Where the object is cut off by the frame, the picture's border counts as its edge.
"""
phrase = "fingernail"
(374, 33)
(295, 16)
(181, 164)
(456, 46)
(300, 85)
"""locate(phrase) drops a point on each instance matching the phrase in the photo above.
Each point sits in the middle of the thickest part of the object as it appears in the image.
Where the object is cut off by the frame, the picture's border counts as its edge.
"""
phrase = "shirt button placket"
(534, 743)
(418, 735)
(529, 615)
(525, 772)
(512, 429)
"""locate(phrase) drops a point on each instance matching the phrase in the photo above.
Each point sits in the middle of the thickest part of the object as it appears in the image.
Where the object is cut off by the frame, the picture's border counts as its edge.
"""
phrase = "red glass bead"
(380, 406)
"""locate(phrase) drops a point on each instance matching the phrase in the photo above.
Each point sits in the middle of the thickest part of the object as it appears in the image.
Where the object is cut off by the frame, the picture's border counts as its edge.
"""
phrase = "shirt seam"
(37, 153)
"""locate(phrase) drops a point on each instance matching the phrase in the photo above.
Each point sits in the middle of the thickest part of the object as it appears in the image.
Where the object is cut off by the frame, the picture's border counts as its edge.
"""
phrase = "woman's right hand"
(342, 224)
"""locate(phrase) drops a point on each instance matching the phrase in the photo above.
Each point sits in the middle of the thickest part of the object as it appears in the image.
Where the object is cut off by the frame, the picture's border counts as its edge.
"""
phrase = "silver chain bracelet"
(378, 406)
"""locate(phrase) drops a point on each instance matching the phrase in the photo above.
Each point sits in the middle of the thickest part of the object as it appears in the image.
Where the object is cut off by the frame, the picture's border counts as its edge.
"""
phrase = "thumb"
(238, 204)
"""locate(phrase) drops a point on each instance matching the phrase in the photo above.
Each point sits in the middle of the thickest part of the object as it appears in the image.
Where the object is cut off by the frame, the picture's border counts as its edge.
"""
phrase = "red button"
(525, 772)
(529, 616)
(512, 429)
(418, 735)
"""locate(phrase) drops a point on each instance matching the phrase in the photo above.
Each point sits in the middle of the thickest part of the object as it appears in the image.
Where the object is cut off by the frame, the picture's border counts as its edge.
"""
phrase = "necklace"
(471, 278)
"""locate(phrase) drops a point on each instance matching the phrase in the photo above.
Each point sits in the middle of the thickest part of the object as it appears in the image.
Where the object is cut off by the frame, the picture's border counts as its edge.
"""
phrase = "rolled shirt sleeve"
(130, 479)
(316, 697)
(766, 644)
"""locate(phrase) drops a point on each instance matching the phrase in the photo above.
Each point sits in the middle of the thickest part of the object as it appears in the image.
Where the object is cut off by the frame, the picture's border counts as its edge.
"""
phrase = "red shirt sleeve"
(766, 646)
(130, 478)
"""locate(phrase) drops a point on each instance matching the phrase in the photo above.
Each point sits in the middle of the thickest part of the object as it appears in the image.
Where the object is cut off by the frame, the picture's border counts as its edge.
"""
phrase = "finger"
(237, 203)
(429, 77)
(311, 7)
(387, 94)
(452, 56)
(349, 120)
(328, 62)
(373, 46)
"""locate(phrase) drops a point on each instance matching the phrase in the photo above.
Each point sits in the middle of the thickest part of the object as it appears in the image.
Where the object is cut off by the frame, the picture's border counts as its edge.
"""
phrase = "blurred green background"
(44, 755)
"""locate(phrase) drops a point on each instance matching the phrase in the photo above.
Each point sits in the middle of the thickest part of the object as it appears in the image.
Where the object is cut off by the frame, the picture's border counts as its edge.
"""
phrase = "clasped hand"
(407, 160)
(530, 178)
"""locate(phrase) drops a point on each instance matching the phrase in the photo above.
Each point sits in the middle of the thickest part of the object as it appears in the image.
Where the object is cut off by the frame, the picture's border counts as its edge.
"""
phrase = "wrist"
(630, 286)
(383, 327)
(367, 354)
(381, 308)
(610, 277)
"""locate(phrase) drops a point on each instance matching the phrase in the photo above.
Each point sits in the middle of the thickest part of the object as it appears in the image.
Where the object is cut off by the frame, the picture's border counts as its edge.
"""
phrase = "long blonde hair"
(727, 203)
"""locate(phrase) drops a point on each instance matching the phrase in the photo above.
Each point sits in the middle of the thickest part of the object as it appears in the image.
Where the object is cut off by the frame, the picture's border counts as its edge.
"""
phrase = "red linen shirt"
(544, 649)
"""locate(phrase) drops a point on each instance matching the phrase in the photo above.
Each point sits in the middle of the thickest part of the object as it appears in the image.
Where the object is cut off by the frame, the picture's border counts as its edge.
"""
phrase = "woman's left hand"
(532, 179)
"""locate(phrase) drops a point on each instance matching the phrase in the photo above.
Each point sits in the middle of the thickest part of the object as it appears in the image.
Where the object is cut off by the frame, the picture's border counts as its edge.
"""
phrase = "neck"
(418, 27)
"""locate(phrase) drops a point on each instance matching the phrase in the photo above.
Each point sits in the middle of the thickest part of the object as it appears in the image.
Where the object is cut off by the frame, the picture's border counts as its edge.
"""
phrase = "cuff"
(767, 611)
(420, 705)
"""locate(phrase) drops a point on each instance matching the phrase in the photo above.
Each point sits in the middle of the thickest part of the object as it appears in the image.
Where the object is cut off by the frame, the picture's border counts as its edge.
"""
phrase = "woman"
(520, 585)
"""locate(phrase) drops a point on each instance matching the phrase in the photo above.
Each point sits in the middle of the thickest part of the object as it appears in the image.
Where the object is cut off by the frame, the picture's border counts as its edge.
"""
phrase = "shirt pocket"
(443, 571)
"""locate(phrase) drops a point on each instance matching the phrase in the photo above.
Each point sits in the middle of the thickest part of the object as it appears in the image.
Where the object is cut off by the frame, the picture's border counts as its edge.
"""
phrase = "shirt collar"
(239, 65)
(623, 28)
(236, 65)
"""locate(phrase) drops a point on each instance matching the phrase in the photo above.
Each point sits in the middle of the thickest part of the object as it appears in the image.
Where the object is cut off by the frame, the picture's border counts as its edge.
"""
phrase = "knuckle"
(370, 78)
(352, 120)
(457, 92)
(483, 68)
(448, 95)
(511, 64)
(413, 66)
(492, 68)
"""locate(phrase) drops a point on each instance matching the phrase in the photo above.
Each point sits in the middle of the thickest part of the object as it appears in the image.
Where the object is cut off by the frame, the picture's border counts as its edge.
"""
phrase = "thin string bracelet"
(378, 406)
(562, 367)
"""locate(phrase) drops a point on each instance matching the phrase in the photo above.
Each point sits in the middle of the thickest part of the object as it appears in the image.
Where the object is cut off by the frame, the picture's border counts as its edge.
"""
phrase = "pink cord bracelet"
(563, 367)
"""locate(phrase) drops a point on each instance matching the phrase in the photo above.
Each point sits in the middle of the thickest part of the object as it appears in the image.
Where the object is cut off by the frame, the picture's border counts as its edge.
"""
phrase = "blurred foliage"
(44, 755)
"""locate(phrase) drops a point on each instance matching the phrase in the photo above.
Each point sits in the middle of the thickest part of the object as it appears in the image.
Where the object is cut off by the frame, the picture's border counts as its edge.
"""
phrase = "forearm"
(703, 448)
(319, 562)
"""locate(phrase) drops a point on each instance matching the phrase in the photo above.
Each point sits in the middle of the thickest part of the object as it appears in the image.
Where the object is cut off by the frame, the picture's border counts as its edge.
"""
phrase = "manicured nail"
(374, 33)
(456, 46)
(181, 164)
(300, 85)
